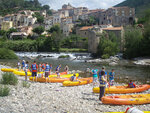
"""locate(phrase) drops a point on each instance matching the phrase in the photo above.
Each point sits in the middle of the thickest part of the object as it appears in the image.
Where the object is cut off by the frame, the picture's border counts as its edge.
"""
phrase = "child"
(131, 84)
(95, 76)
(26, 70)
(111, 77)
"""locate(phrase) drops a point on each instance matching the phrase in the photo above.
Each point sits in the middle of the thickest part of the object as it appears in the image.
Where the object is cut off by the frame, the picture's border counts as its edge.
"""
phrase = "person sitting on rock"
(131, 84)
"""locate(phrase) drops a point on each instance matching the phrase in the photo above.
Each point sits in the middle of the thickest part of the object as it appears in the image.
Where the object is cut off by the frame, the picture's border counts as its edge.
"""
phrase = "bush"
(25, 84)
(9, 78)
(7, 54)
(105, 56)
(64, 56)
(4, 91)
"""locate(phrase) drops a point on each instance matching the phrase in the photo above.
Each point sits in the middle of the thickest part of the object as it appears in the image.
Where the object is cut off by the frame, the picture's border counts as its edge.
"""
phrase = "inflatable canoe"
(8, 69)
(123, 89)
(81, 81)
(51, 80)
(64, 76)
(127, 99)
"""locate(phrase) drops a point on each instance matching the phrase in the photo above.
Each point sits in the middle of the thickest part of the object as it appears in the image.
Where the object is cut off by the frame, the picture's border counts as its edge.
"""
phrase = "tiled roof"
(113, 28)
(85, 28)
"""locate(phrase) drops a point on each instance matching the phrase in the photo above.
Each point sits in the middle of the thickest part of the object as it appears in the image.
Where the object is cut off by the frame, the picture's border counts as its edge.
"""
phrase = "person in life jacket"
(103, 69)
(66, 69)
(131, 84)
(26, 70)
(40, 67)
(43, 67)
(47, 70)
(57, 70)
(34, 68)
(103, 81)
(50, 69)
(73, 78)
(23, 64)
(111, 77)
(95, 76)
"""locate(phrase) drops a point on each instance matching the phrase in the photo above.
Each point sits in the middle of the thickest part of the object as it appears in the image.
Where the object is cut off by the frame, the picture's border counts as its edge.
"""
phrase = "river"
(125, 68)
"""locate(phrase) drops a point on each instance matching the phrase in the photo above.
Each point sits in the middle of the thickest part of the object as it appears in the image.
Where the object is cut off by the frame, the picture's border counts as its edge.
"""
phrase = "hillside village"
(71, 18)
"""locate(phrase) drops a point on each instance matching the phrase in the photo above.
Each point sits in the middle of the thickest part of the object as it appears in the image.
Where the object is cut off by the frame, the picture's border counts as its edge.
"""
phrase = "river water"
(125, 69)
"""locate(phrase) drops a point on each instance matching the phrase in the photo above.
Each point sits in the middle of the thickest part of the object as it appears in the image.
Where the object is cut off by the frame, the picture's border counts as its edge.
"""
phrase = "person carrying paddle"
(131, 84)
(34, 68)
(95, 76)
(57, 70)
(111, 77)
(103, 81)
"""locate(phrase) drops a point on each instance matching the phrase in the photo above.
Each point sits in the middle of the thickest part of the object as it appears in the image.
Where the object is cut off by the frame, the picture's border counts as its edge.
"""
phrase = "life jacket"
(34, 67)
(57, 68)
(47, 68)
(100, 78)
(40, 65)
(72, 78)
(23, 64)
(94, 72)
(111, 75)
(131, 85)
(43, 66)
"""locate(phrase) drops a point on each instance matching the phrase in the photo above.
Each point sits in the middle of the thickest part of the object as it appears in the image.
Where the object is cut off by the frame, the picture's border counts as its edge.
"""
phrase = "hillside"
(139, 5)
(12, 6)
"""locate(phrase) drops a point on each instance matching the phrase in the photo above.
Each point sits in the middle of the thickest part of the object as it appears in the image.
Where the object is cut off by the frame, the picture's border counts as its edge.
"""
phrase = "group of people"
(105, 81)
(42, 67)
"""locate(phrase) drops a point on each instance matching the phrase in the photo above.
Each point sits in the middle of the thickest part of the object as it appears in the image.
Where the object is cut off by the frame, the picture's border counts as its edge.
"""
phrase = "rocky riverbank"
(54, 98)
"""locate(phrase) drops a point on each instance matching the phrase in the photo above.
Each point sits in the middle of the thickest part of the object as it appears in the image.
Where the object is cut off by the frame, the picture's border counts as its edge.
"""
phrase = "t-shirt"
(94, 71)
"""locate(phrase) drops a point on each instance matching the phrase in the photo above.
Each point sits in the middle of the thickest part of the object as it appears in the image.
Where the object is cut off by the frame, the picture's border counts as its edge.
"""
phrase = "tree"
(46, 7)
(55, 28)
(39, 30)
(40, 18)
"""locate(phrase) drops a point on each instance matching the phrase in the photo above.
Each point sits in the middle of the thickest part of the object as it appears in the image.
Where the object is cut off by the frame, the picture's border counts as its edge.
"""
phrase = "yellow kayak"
(8, 69)
(64, 76)
(124, 112)
(81, 81)
(22, 73)
(123, 89)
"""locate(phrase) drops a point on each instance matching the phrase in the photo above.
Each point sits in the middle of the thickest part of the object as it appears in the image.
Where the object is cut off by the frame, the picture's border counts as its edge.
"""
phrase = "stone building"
(117, 16)
(48, 22)
(83, 31)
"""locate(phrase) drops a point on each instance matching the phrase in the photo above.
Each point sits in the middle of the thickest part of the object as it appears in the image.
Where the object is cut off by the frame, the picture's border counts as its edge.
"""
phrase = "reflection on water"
(123, 70)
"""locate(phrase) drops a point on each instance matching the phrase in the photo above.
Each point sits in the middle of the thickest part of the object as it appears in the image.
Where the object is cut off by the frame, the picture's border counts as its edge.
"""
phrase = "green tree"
(133, 39)
(46, 7)
(40, 18)
(55, 28)
(39, 30)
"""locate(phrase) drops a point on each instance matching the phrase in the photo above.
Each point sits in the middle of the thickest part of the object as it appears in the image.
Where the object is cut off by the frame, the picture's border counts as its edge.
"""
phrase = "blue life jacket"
(72, 78)
(34, 67)
(131, 85)
(43, 66)
(111, 75)
(57, 68)
(23, 64)
(100, 78)
(47, 68)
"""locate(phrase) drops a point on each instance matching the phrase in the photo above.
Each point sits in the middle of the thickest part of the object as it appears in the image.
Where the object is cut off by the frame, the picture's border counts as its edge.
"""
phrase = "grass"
(4, 91)
(9, 78)
(73, 50)
(25, 84)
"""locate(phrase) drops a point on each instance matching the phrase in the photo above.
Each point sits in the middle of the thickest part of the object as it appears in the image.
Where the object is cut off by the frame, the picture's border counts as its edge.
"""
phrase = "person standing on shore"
(50, 69)
(103, 81)
(47, 71)
(95, 76)
(57, 70)
(66, 69)
(40, 67)
(23, 64)
(43, 67)
(26, 70)
(34, 68)
(111, 77)
(19, 66)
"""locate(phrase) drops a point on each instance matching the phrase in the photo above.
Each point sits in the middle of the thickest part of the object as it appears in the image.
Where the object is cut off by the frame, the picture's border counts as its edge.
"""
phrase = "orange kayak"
(127, 99)
(81, 81)
(51, 80)
(123, 89)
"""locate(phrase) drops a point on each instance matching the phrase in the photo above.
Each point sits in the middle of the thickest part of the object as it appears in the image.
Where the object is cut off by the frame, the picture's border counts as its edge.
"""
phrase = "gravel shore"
(54, 98)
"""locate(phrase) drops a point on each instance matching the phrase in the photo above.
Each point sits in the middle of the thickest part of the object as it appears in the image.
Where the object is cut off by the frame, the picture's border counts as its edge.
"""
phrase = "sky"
(91, 4)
